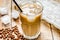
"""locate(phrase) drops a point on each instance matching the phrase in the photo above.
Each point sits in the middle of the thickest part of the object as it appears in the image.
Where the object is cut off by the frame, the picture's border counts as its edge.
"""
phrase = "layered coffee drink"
(31, 19)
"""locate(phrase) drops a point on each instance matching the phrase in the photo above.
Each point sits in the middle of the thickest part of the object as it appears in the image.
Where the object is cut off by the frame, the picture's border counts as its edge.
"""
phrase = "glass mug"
(30, 18)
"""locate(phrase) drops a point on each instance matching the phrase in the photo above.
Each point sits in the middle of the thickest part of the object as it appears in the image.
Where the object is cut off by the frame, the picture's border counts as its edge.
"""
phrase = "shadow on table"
(54, 29)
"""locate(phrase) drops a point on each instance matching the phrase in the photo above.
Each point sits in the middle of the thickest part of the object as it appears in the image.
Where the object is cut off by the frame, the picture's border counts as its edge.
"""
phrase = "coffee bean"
(8, 34)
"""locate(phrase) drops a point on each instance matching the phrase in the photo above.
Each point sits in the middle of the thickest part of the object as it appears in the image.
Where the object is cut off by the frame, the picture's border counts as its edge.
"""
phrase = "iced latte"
(31, 19)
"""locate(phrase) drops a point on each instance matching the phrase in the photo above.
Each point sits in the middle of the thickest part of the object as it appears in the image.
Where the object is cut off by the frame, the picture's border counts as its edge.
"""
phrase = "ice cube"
(32, 14)
(3, 11)
(25, 10)
(15, 14)
(33, 9)
(31, 5)
(31, 18)
(5, 19)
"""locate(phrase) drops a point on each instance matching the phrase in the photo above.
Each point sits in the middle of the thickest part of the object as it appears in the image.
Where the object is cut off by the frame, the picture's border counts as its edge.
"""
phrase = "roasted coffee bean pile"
(11, 34)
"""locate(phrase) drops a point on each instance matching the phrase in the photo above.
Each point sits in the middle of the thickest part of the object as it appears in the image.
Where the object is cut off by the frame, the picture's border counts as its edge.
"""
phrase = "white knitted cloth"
(51, 12)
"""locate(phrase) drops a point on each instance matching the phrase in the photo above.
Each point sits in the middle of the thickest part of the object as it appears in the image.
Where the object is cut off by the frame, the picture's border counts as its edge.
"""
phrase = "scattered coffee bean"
(7, 34)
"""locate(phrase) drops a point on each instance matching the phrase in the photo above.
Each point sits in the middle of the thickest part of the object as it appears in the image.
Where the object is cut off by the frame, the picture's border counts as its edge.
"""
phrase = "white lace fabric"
(51, 12)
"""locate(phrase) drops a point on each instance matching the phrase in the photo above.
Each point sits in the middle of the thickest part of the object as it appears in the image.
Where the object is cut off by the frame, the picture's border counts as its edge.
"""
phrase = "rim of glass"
(40, 4)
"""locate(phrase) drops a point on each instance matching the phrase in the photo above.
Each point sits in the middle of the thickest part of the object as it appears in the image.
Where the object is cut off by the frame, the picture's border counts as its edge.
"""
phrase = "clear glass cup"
(31, 18)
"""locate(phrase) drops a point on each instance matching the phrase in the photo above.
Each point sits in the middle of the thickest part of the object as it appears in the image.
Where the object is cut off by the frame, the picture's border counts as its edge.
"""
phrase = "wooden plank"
(45, 32)
(55, 31)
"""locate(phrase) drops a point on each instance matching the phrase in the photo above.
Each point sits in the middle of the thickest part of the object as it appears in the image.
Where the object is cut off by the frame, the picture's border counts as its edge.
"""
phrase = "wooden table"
(49, 32)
